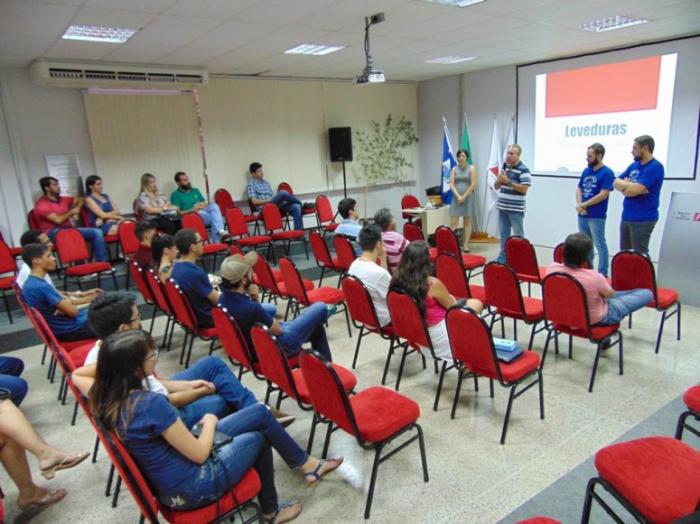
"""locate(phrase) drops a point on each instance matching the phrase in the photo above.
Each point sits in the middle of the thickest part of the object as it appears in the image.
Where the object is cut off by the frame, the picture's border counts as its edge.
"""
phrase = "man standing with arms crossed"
(512, 183)
(592, 193)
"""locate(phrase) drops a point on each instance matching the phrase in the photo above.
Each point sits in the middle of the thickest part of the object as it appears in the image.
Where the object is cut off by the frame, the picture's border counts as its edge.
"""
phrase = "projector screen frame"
(593, 53)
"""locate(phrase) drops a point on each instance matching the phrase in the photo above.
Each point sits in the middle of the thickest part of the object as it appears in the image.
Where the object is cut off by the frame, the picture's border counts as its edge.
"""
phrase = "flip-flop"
(66, 463)
(280, 507)
(51, 497)
(315, 473)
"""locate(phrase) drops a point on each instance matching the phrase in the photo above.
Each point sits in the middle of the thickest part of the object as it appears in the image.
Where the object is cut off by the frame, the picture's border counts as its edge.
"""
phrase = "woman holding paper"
(463, 185)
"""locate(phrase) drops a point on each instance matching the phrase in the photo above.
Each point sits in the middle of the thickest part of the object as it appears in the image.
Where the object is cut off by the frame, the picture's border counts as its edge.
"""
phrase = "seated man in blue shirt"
(350, 225)
(192, 279)
(307, 327)
(260, 192)
(66, 321)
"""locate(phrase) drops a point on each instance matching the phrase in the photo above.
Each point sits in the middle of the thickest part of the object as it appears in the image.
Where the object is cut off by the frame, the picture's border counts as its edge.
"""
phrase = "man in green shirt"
(187, 198)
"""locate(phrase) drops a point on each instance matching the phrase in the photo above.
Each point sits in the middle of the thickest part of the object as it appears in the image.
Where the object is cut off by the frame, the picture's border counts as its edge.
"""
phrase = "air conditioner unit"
(60, 73)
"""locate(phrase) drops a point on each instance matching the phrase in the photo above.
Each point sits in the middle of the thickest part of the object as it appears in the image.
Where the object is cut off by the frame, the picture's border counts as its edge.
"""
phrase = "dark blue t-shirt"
(44, 297)
(167, 470)
(194, 282)
(245, 311)
(591, 183)
(643, 208)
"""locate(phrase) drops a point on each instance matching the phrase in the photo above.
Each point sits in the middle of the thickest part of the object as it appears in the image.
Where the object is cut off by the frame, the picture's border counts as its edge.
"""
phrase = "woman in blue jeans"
(186, 471)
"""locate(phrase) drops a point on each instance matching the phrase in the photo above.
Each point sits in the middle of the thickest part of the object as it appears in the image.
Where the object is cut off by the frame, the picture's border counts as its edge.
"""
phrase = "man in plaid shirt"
(260, 192)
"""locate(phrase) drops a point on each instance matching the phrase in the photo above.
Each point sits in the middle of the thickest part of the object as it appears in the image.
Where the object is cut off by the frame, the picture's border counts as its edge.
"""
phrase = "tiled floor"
(472, 478)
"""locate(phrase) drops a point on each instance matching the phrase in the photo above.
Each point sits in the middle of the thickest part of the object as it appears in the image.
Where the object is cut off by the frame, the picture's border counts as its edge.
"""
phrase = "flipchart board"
(680, 247)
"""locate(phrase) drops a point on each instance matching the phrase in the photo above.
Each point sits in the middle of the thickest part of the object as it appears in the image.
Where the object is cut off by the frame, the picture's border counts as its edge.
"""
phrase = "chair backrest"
(126, 232)
(328, 396)
(450, 271)
(232, 340)
(182, 309)
(158, 291)
(71, 246)
(138, 210)
(344, 251)
(521, 256)
(412, 232)
(253, 208)
(409, 202)
(471, 342)
(7, 261)
(284, 186)
(632, 270)
(320, 250)
(503, 289)
(235, 220)
(137, 274)
(31, 220)
(223, 199)
(565, 302)
(446, 241)
(85, 216)
(324, 209)
(266, 279)
(273, 360)
(194, 221)
(272, 217)
(293, 282)
(559, 253)
(47, 336)
(406, 319)
(359, 302)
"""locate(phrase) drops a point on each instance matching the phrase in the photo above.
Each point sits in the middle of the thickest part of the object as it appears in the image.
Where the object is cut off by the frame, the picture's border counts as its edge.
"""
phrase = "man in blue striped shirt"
(513, 182)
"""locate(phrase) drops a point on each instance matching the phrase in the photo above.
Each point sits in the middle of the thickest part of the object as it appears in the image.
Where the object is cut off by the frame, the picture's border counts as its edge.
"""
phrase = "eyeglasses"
(154, 355)
(200, 241)
(137, 318)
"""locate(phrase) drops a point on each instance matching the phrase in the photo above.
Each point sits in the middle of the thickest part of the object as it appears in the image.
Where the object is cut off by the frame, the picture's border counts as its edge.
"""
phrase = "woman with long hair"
(463, 186)
(184, 470)
(153, 205)
(101, 211)
(164, 255)
(414, 277)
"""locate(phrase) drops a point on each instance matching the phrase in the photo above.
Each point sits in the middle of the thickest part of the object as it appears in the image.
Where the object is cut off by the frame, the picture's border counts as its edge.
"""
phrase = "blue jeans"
(623, 303)
(269, 308)
(507, 221)
(255, 433)
(595, 229)
(91, 234)
(212, 217)
(307, 327)
(230, 394)
(288, 203)
(10, 370)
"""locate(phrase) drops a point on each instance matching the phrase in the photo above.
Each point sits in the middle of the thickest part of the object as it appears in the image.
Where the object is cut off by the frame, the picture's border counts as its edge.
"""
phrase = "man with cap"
(307, 327)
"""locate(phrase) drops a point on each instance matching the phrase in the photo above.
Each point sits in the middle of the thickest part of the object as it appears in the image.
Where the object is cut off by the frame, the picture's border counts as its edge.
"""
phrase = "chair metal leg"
(320, 280)
(347, 321)
(189, 351)
(43, 355)
(184, 347)
(587, 502)
(490, 387)
(515, 329)
(110, 478)
(388, 359)
(314, 422)
(540, 385)
(75, 414)
(532, 335)
(403, 360)
(439, 388)
(357, 346)
(619, 353)
(153, 319)
(373, 481)
(117, 489)
(507, 417)
(571, 347)
(599, 350)
(327, 442)
(95, 449)
(460, 376)
(546, 346)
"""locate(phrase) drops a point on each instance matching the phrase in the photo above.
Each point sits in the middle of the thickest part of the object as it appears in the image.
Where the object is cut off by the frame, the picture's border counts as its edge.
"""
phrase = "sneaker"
(332, 310)
(225, 237)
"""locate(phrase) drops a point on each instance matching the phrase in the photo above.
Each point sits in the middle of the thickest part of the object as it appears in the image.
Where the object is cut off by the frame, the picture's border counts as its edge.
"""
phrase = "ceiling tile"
(25, 18)
(234, 34)
(146, 6)
(281, 11)
(131, 52)
(113, 18)
(73, 49)
(190, 55)
(24, 46)
(170, 29)
(282, 39)
(216, 9)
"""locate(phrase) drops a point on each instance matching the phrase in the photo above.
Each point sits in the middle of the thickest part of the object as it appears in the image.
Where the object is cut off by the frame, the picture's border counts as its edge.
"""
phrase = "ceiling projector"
(370, 75)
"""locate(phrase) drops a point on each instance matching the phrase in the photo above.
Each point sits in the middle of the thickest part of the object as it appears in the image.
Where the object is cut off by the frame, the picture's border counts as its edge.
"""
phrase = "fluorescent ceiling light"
(456, 3)
(313, 49)
(96, 33)
(612, 23)
(450, 59)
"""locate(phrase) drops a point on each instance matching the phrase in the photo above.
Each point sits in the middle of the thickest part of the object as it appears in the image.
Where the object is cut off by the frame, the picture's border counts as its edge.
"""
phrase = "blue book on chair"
(507, 350)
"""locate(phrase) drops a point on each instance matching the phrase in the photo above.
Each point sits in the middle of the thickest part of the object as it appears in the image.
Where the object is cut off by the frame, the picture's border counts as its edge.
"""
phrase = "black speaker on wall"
(340, 139)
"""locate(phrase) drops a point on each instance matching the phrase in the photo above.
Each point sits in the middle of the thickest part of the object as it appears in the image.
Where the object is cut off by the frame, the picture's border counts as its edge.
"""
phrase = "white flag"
(494, 166)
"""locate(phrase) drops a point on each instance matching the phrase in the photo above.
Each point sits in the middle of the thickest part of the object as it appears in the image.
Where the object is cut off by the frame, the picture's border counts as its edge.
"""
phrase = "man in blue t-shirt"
(307, 327)
(192, 279)
(512, 184)
(592, 193)
(641, 184)
(66, 321)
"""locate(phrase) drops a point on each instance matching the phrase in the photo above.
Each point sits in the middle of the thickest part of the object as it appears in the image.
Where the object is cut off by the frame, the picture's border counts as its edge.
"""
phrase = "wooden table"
(431, 218)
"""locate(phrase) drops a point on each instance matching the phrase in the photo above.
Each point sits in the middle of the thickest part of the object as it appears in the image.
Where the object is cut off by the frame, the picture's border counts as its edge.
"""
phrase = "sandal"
(51, 497)
(66, 463)
(280, 507)
(316, 475)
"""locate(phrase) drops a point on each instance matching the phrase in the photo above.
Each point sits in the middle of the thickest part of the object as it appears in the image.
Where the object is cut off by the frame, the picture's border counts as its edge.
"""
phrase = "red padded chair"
(656, 479)
(137, 273)
(474, 354)
(74, 257)
(288, 382)
(364, 317)
(410, 202)
(301, 297)
(8, 267)
(235, 345)
(224, 200)
(450, 271)
(413, 233)
(345, 253)
(446, 242)
(31, 220)
(375, 416)
(238, 229)
(692, 399)
(632, 270)
(275, 229)
(503, 294)
(325, 214)
(128, 242)
(285, 186)
(566, 311)
(184, 315)
(558, 254)
(157, 290)
(322, 254)
(16, 252)
(409, 325)
(196, 222)
(521, 256)
(241, 496)
(272, 285)
(540, 519)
